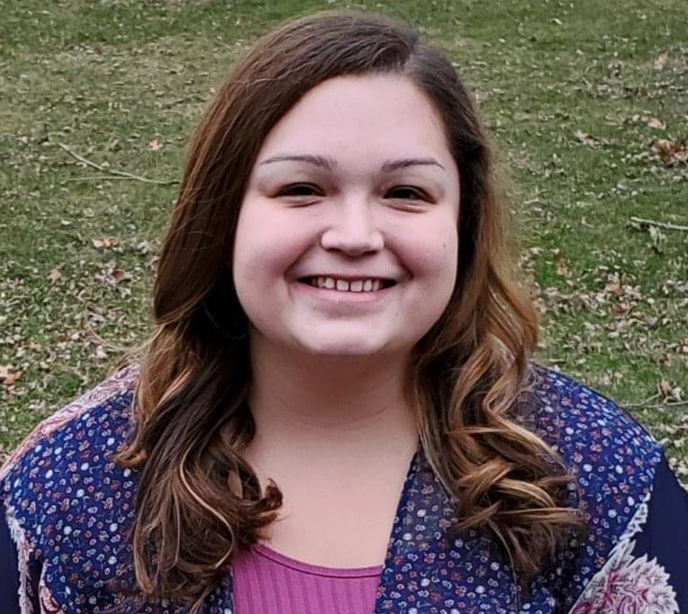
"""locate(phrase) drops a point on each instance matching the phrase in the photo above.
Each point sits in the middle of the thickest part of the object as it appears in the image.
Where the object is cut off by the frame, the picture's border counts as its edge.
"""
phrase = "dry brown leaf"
(587, 139)
(671, 152)
(613, 286)
(670, 390)
(665, 387)
(105, 243)
(7, 376)
(661, 61)
(655, 122)
(155, 145)
(563, 269)
(55, 275)
(620, 309)
(118, 275)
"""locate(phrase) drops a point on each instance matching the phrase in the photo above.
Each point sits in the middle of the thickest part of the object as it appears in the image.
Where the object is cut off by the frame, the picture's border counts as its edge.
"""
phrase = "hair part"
(199, 501)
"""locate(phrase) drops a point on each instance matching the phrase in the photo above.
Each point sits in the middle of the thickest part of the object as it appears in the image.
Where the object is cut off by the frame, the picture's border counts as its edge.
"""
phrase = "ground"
(586, 104)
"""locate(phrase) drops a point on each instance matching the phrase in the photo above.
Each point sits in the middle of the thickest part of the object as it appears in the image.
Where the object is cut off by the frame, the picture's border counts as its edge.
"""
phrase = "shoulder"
(596, 438)
(95, 420)
(612, 457)
(67, 504)
(63, 473)
(614, 462)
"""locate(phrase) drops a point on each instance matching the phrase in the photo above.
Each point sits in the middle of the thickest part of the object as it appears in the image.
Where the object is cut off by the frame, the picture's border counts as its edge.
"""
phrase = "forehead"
(361, 118)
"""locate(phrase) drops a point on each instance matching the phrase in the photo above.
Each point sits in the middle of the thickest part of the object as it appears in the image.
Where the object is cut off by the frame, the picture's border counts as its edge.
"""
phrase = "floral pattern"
(629, 584)
(69, 509)
(636, 585)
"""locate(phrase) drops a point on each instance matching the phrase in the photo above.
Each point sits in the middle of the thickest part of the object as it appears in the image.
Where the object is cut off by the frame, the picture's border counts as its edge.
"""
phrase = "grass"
(574, 98)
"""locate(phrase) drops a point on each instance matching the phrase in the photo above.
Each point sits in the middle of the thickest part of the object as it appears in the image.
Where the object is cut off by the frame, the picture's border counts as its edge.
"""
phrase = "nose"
(352, 228)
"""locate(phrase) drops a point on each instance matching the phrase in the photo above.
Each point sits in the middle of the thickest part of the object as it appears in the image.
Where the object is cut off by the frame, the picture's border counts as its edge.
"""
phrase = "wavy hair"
(198, 499)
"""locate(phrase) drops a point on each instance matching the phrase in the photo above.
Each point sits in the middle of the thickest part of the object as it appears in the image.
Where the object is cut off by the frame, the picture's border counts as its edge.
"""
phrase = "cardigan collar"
(426, 572)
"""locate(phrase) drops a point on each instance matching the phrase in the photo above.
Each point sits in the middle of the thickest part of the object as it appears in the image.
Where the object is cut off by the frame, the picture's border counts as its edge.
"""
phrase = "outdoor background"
(585, 101)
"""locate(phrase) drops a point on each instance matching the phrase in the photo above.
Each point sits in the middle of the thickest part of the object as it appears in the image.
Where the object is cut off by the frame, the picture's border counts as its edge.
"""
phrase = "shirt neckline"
(317, 570)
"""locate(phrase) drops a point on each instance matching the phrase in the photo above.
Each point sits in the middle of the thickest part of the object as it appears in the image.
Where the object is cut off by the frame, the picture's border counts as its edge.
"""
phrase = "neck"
(348, 406)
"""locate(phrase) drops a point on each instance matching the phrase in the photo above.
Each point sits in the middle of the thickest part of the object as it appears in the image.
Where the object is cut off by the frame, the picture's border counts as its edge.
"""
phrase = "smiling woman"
(339, 410)
(323, 201)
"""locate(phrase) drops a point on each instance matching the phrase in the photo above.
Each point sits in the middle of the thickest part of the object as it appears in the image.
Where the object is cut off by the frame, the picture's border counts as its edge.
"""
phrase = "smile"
(348, 285)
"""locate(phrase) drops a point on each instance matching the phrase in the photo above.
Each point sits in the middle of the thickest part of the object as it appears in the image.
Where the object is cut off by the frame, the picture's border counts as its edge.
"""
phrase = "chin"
(342, 346)
(342, 350)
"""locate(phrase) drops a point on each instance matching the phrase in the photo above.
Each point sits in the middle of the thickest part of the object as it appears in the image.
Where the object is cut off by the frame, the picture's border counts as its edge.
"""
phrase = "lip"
(343, 297)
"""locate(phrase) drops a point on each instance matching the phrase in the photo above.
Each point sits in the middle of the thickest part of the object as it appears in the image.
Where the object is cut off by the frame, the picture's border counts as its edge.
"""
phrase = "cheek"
(266, 244)
(432, 256)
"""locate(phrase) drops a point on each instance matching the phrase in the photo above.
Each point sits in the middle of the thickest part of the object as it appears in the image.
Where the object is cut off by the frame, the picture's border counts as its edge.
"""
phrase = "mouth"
(337, 284)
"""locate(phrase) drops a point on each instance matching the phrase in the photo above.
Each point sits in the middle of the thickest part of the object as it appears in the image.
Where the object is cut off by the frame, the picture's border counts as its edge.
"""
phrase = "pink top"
(266, 582)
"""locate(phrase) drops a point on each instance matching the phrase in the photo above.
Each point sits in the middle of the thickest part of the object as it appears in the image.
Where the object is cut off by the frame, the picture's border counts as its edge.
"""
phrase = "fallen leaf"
(7, 376)
(104, 243)
(55, 275)
(614, 286)
(661, 61)
(118, 275)
(665, 387)
(655, 122)
(147, 247)
(620, 309)
(563, 269)
(671, 152)
(588, 139)
(155, 145)
(670, 390)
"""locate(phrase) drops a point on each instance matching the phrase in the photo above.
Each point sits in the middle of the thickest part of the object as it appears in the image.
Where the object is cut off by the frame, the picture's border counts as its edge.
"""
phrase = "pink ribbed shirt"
(266, 582)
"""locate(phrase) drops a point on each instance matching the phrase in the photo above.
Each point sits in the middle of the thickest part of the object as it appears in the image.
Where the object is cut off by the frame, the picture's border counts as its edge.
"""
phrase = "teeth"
(342, 285)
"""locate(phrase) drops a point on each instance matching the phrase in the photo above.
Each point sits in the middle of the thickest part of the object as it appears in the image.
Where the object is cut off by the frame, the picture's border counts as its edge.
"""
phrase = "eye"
(300, 189)
(407, 192)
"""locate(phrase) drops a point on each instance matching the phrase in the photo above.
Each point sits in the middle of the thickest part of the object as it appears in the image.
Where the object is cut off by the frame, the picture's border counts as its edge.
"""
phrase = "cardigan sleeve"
(646, 572)
(9, 568)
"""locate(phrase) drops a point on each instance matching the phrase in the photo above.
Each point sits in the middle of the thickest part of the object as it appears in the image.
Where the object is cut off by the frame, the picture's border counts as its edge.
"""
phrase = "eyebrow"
(330, 164)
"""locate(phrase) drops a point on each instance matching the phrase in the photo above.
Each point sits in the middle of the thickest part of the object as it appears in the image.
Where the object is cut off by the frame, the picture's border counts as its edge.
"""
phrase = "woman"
(339, 411)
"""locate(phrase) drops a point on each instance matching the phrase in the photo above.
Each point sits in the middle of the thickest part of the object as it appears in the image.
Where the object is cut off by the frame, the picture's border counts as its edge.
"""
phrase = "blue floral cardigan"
(66, 509)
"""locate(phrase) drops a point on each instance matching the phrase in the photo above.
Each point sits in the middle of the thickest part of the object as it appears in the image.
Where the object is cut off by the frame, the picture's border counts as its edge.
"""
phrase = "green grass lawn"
(577, 96)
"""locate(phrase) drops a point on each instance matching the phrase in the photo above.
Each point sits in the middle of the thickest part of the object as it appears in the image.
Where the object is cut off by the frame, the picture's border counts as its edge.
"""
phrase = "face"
(346, 242)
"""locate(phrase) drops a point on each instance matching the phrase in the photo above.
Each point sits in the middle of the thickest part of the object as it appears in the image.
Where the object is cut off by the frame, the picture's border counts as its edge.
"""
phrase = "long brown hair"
(198, 499)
